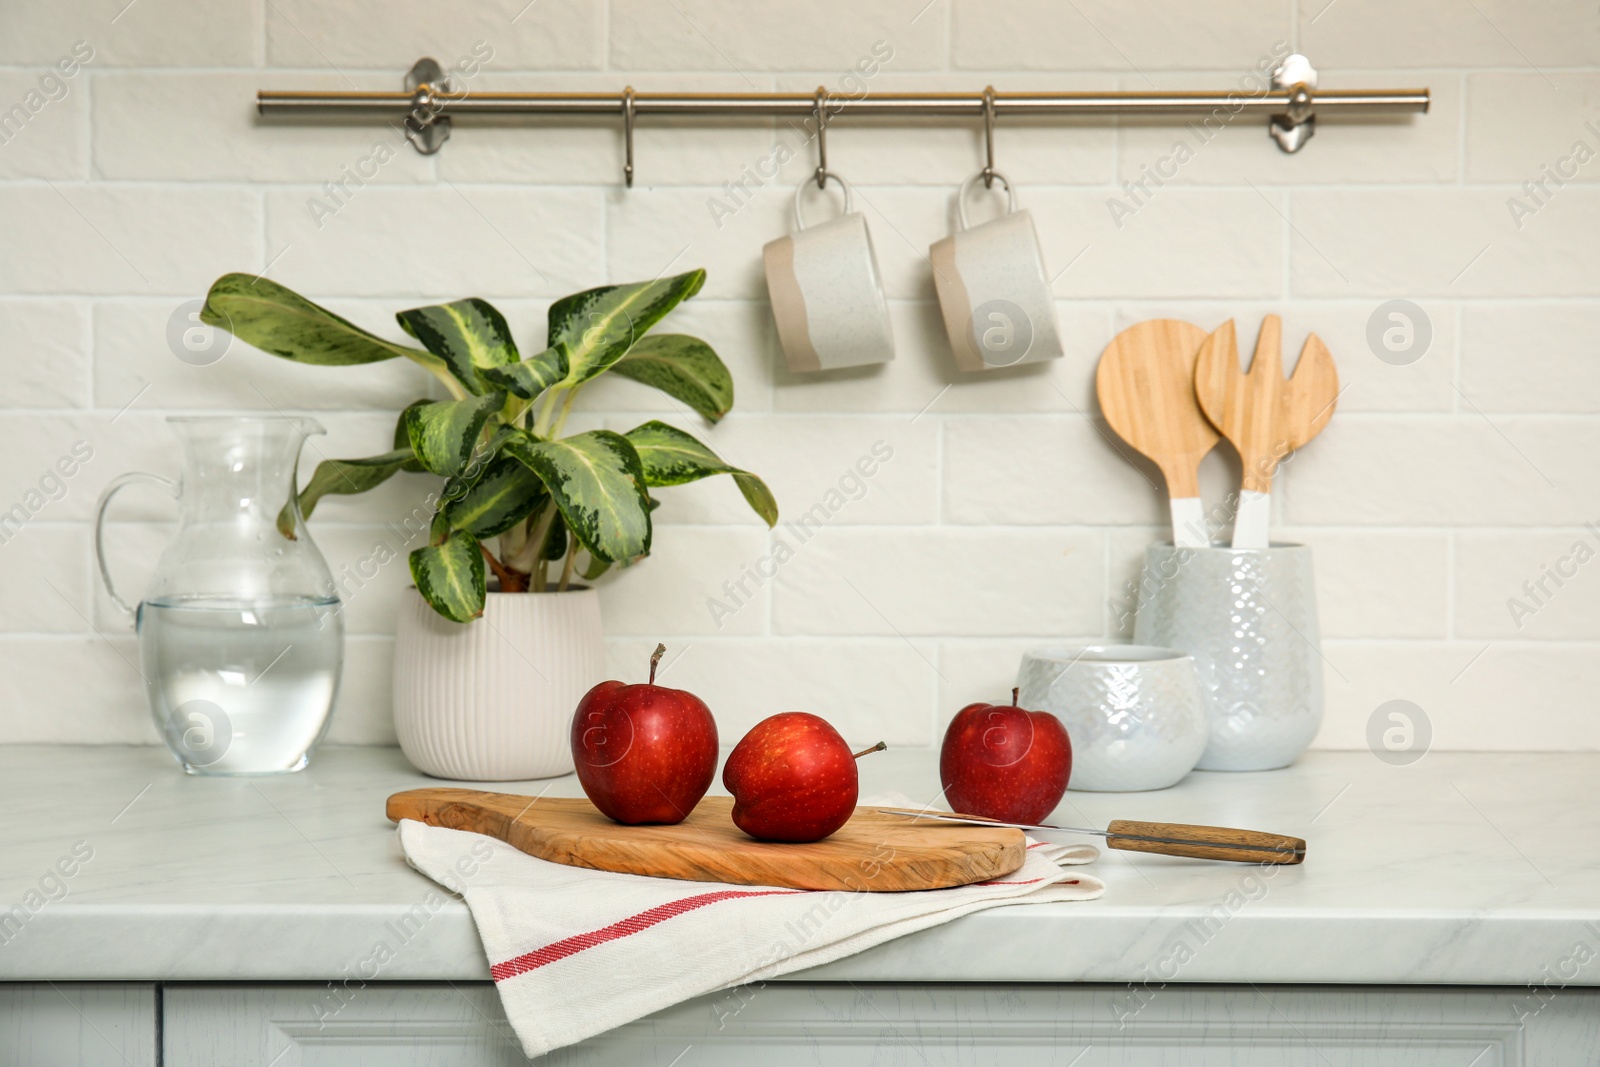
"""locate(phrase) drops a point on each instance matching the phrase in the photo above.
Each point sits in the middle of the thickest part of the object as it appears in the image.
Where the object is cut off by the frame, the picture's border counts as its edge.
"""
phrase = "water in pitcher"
(241, 686)
(240, 634)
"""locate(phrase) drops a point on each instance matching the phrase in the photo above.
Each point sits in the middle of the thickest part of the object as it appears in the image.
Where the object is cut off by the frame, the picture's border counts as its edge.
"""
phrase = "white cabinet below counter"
(79, 1024)
(830, 1025)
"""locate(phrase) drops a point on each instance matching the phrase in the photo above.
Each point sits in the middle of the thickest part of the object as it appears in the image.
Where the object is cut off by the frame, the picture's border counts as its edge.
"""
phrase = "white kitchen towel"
(575, 952)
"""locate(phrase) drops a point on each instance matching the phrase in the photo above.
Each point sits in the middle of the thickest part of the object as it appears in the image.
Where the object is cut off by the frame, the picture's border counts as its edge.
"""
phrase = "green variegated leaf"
(683, 367)
(469, 335)
(280, 321)
(443, 433)
(343, 477)
(598, 326)
(758, 496)
(402, 437)
(671, 457)
(505, 494)
(594, 569)
(598, 485)
(532, 376)
(449, 575)
(555, 542)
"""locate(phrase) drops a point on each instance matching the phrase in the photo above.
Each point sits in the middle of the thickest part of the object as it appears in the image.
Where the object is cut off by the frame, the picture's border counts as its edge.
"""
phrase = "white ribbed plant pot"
(492, 700)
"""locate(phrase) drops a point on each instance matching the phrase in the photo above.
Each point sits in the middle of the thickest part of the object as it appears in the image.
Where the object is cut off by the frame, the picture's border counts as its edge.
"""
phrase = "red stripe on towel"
(568, 946)
(1030, 881)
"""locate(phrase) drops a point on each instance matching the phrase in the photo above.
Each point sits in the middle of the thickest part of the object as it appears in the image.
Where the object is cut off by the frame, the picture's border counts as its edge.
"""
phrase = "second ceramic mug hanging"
(994, 290)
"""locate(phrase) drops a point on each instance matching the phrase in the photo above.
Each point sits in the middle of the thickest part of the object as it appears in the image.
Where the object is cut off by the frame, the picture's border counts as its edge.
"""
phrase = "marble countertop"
(1462, 868)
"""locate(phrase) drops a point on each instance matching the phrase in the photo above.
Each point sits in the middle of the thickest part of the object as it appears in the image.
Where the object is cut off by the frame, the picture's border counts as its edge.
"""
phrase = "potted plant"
(493, 699)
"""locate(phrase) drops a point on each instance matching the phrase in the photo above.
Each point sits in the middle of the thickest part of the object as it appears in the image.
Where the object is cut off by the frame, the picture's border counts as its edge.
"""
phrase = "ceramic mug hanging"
(994, 290)
(824, 283)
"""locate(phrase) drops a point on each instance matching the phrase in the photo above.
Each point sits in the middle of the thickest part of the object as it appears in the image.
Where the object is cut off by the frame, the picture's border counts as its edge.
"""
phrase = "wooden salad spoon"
(1145, 383)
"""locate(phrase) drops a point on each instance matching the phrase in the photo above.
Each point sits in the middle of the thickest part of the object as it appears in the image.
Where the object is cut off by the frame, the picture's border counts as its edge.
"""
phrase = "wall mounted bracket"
(426, 127)
(1292, 129)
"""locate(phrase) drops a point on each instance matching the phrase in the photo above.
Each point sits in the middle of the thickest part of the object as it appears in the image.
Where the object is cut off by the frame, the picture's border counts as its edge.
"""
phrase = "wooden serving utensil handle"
(1206, 842)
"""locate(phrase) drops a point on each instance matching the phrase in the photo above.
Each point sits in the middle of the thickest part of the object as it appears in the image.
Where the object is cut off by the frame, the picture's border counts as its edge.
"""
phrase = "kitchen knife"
(1164, 838)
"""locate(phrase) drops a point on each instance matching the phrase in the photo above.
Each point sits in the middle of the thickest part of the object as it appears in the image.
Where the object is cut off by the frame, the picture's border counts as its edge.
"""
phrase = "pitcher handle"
(111, 490)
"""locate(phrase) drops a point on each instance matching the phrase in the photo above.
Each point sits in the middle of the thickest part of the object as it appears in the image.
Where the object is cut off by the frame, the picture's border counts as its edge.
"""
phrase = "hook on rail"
(628, 100)
(820, 113)
(988, 137)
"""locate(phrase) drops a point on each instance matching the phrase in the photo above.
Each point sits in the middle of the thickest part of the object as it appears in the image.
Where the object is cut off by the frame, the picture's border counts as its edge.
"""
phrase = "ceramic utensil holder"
(1134, 713)
(1249, 619)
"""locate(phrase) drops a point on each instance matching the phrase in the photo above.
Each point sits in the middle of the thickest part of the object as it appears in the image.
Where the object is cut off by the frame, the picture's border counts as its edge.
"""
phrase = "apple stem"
(655, 661)
(879, 747)
(1015, 690)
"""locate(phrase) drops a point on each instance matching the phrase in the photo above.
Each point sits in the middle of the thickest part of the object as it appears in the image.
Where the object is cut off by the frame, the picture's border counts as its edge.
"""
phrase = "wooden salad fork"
(1263, 415)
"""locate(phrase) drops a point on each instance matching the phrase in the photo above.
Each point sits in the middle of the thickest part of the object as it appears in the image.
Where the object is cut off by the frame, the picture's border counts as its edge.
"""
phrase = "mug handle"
(849, 198)
(117, 484)
(971, 184)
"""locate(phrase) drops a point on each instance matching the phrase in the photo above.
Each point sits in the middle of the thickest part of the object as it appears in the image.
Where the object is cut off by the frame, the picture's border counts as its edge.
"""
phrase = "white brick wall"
(1005, 517)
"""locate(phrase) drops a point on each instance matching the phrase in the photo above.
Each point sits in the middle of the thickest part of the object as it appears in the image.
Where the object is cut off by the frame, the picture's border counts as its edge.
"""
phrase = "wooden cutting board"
(872, 852)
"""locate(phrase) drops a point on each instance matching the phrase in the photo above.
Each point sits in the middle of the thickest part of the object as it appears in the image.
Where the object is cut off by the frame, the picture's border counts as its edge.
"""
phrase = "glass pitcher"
(241, 639)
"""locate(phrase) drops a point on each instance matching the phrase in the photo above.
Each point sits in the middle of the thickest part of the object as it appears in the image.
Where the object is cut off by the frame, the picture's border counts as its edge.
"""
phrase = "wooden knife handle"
(1206, 842)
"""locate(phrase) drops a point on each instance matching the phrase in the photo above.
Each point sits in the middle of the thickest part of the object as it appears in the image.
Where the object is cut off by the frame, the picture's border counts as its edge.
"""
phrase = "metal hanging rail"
(800, 105)
(428, 104)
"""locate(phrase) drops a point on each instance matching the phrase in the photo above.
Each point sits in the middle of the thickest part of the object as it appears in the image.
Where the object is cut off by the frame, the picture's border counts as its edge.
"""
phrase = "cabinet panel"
(911, 1025)
(333, 1025)
(70, 1024)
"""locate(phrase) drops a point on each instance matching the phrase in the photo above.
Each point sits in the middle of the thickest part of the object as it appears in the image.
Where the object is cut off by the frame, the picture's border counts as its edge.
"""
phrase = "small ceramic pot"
(1248, 616)
(1134, 713)
(492, 700)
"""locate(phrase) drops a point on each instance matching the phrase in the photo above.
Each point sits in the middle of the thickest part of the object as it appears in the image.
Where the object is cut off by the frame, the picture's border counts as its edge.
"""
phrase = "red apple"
(793, 778)
(1005, 762)
(644, 753)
